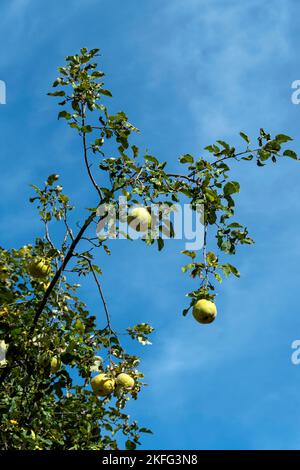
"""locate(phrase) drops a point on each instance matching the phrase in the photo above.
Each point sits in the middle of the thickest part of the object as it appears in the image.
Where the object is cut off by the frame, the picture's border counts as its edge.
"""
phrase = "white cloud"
(207, 52)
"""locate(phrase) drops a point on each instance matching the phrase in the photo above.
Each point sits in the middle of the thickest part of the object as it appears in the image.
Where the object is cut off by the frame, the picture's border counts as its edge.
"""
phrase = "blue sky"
(186, 72)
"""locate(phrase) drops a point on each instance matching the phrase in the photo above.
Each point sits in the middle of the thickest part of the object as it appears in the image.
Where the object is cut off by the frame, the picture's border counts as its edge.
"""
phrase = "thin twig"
(174, 175)
(205, 255)
(104, 303)
(85, 153)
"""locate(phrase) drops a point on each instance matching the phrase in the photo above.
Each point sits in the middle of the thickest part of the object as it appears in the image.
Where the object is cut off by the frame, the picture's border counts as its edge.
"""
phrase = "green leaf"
(130, 445)
(106, 249)
(231, 187)
(291, 154)
(94, 52)
(105, 92)
(51, 179)
(211, 258)
(160, 244)
(187, 158)
(218, 277)
(234, 225)
(86, 129)
(248, 158)
(57, 93)
(191, 254)
(281, 138)
(273, 145)
(97, 74)
(211, 195)
(264, 155)
(230, 269)
(247, 241)
(135, 150)
(151, 159)
(146, 430)
(64, 115)
(187, 267)
(245, 137)
(224, 144)
(234, 271)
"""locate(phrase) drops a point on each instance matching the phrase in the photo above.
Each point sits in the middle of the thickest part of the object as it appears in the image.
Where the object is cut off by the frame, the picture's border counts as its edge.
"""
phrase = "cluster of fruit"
(104, 385)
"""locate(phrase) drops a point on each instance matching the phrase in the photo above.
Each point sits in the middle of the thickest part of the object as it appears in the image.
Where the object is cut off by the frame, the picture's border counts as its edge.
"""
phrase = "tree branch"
(60, 270)
(85, 153)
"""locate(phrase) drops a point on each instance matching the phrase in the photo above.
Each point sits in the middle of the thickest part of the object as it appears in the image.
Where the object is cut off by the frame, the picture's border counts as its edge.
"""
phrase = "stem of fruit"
(205, 256)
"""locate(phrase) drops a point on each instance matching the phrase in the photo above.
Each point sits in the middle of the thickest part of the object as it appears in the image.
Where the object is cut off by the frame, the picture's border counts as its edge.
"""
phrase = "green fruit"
(79, 327)
(102, 385)
(39, 268)
(124, 380)
(5, 311)
(3, 272)
(139, 219)
(55, 364)
(204, 311)
(126, 194)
